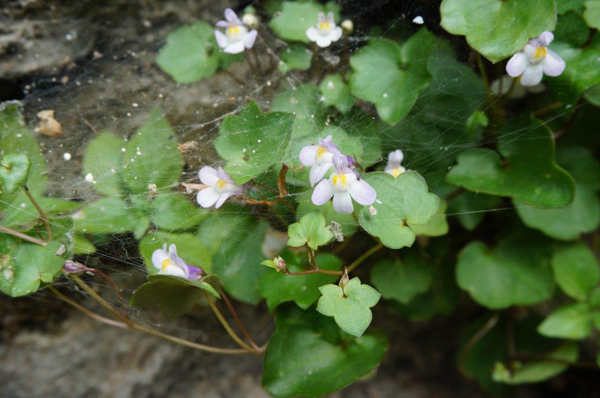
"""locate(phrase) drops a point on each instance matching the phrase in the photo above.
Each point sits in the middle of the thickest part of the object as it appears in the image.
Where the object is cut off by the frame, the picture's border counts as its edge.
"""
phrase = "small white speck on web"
(138, 153)
(8, 273)
(418, 20)
(112, 171)
(152, 187)
(268, 83)
(135, 105)
(244, 150)
(372, 210)
(123, 149)
(330, 85)
(378, 202)
(23, 205)
(259, 141)
(385, 95)
(89, 177)
(66, 156)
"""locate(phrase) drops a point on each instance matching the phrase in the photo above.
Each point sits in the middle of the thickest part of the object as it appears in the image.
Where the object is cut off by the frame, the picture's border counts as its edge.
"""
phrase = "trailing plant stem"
(19, 235)
(365, 255)
(40, 211)
(237, 319)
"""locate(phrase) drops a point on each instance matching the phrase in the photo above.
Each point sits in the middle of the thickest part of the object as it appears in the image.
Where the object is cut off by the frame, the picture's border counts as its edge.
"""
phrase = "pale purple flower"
(343, 185)
(236, 37)
(394, 160)
(535, 60)
(169, 263)
(73, 267)
(319, 157)
(219, 187)
(325, 32)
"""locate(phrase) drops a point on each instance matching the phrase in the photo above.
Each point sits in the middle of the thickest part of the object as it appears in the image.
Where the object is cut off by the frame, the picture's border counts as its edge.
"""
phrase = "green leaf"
(346, 221)
(152, 157)
(576, 270)
(24, 266)
(390, 76)
(294, 57)
(172, 295)
(26, 214)
(279, 288)
(189, 248)
(308, 356)
(592, 94)
(309, 230)
(571, 28)
(470, 208)
(14, 169)
(296, 17)
(516, 272)
(175, 212)
(572, 321)
(592, 13)
(498, 28)
(402, 280)
(336, 93)
(82, 246)
(405, 202)
(235, 238)
(581, 216)
(368, 130)
(528, 162)
(104, 161)
(437, 225)
(564, 6)
(538, 371)
(106, 216)
(190, 53)
(349, 306)
(252, 142)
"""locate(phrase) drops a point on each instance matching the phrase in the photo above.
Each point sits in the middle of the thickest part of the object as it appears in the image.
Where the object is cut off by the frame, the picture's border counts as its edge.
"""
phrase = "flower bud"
(73, 267)
(347, 26)
(250, 20)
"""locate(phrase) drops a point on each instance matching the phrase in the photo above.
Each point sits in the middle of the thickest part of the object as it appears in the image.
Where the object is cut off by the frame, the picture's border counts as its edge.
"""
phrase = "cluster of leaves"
(480, 151)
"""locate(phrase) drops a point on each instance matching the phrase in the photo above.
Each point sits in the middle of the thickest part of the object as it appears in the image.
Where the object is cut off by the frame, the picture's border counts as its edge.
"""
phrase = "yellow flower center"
(324, 26)
(233, 30)
(540, 53)
(165, 264)
(396, 172)
(321, 152)
(341, 179)
(221, 184)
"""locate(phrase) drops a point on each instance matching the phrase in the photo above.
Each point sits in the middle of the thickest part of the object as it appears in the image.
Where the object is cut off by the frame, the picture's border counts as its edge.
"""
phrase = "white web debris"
(418, 20)
(67, 156)
(372, 210)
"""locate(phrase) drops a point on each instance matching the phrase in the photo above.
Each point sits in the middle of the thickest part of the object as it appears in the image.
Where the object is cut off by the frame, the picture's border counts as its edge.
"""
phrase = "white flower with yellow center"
(343, 185)
(394, 160)
(169, 263)
(219, 187)
(236, 37)
(325, 32)
(535, 60)
(319, 157)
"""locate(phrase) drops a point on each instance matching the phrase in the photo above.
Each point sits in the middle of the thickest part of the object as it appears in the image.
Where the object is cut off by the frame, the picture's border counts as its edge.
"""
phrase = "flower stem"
(485, 329)
(228, 328)
(237, 319)
(40, 211)
(22, 236)
(482, 71)
(314, 271)
(366, 255)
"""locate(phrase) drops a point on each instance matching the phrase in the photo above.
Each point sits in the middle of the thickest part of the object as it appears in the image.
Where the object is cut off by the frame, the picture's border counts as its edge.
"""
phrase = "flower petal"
(322, 193)
(194, 273)
(173, 270)
(223, 24)
(336, 34)
(542, 40)
(324, 41)
(308, 155)
(207, 197)
(232, 17)
(222, 198)
(517, 64)
(363, 193)
(342, 202)
(312, 33)
(318, 171)
(250, 38)
(208, 176)
(158, 257)
(235, 47)
(533, 75)
(553, 64)
(222, 40)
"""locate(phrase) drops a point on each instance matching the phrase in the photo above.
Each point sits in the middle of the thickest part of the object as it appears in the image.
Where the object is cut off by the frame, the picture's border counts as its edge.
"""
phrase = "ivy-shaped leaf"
(390, 76)
(470, 208)
(349, 306)
(347, 222)
(294, 57)
(576, 270)
(14, 170)
(175, 212)
(402, 280)
(104, 161)
(309, 230)
(592, 13)
(402, 203)
(572, 321)
(190, 53)
(526, 171)
(172, 295)
(295, 17)
(498, 28)
(278, 288)
(106, 216)
(26, 214)
(583, 214)
(336, 93)
(309, 356)
(252, 142)
(152, 156)
(516, 272)
(571, 28)
(437, 225)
